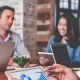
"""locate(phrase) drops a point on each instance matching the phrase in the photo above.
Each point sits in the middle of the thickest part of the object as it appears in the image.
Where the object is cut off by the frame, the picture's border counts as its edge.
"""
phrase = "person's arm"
(20, 50)
(12, 63)
(63, 72)
(44, 60)
(76, 52)
(51, 41)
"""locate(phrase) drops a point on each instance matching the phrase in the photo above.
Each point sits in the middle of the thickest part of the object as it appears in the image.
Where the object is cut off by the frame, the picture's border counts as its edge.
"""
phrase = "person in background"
(6, 20)
(66, 33)
(61, 73)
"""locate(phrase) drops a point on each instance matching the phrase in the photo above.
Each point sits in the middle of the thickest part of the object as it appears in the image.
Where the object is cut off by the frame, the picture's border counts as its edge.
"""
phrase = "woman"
(66, 33)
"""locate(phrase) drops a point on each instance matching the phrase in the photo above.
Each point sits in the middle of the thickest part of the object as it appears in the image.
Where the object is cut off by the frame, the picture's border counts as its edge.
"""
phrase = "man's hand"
(12, 63)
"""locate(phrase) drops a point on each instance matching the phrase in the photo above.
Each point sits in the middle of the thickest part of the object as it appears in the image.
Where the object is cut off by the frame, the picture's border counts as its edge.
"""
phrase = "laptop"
(61, 56)
(6, 49)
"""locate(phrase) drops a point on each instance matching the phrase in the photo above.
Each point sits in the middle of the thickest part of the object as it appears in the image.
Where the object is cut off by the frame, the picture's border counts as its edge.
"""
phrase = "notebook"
(60, 54)
(6, 49)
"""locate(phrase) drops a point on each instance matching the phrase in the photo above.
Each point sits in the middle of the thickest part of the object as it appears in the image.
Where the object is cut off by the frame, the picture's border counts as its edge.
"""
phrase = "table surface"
(3, 76)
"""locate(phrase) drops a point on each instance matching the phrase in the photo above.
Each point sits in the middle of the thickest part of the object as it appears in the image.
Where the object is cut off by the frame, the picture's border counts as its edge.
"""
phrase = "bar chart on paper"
(42, 77)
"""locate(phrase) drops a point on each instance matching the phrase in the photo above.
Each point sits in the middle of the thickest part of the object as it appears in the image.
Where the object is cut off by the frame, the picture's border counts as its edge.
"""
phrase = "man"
(6, 20)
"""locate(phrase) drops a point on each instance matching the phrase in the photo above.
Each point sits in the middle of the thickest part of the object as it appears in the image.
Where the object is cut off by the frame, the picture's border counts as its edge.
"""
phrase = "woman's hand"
(64, 39)
(44, 60)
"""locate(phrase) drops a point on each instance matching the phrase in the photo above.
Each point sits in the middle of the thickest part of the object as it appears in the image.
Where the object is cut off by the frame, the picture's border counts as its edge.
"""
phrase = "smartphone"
(46, 55)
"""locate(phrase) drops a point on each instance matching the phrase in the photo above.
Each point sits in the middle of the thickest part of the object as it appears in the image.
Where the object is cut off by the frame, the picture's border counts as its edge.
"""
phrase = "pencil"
(45, 71)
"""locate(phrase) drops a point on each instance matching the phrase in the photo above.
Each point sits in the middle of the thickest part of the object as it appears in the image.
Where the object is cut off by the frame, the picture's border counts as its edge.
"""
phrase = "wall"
(30, 16)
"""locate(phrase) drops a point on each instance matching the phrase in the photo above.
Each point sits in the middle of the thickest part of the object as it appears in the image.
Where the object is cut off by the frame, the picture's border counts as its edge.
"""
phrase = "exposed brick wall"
(30, 17)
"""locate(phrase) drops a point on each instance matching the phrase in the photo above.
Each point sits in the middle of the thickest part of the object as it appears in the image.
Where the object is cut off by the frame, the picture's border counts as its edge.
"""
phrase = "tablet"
(27, 74)
(60, 54)
(45, 54)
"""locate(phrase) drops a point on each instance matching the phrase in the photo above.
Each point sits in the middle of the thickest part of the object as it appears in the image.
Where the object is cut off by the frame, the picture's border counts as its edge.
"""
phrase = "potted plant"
(22, 61)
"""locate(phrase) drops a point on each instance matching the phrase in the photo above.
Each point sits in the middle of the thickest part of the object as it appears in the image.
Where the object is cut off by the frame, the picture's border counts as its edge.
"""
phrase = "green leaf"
(21, 60)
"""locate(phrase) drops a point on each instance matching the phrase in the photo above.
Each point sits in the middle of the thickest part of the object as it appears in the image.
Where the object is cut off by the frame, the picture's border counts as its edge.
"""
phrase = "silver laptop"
(6, 49)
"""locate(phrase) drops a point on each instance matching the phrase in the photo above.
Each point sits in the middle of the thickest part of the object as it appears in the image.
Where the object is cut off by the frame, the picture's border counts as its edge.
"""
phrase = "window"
(63, 4)
(72, 5)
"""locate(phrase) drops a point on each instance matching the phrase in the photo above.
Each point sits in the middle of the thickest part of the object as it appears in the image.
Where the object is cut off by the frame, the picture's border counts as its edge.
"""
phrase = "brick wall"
(30, 17)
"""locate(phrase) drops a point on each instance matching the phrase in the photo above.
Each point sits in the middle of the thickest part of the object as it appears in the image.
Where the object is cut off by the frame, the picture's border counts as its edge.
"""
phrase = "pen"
(45, 71)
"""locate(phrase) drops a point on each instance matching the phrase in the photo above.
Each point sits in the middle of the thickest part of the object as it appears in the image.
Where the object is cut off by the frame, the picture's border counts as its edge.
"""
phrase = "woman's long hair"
(72, 31)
